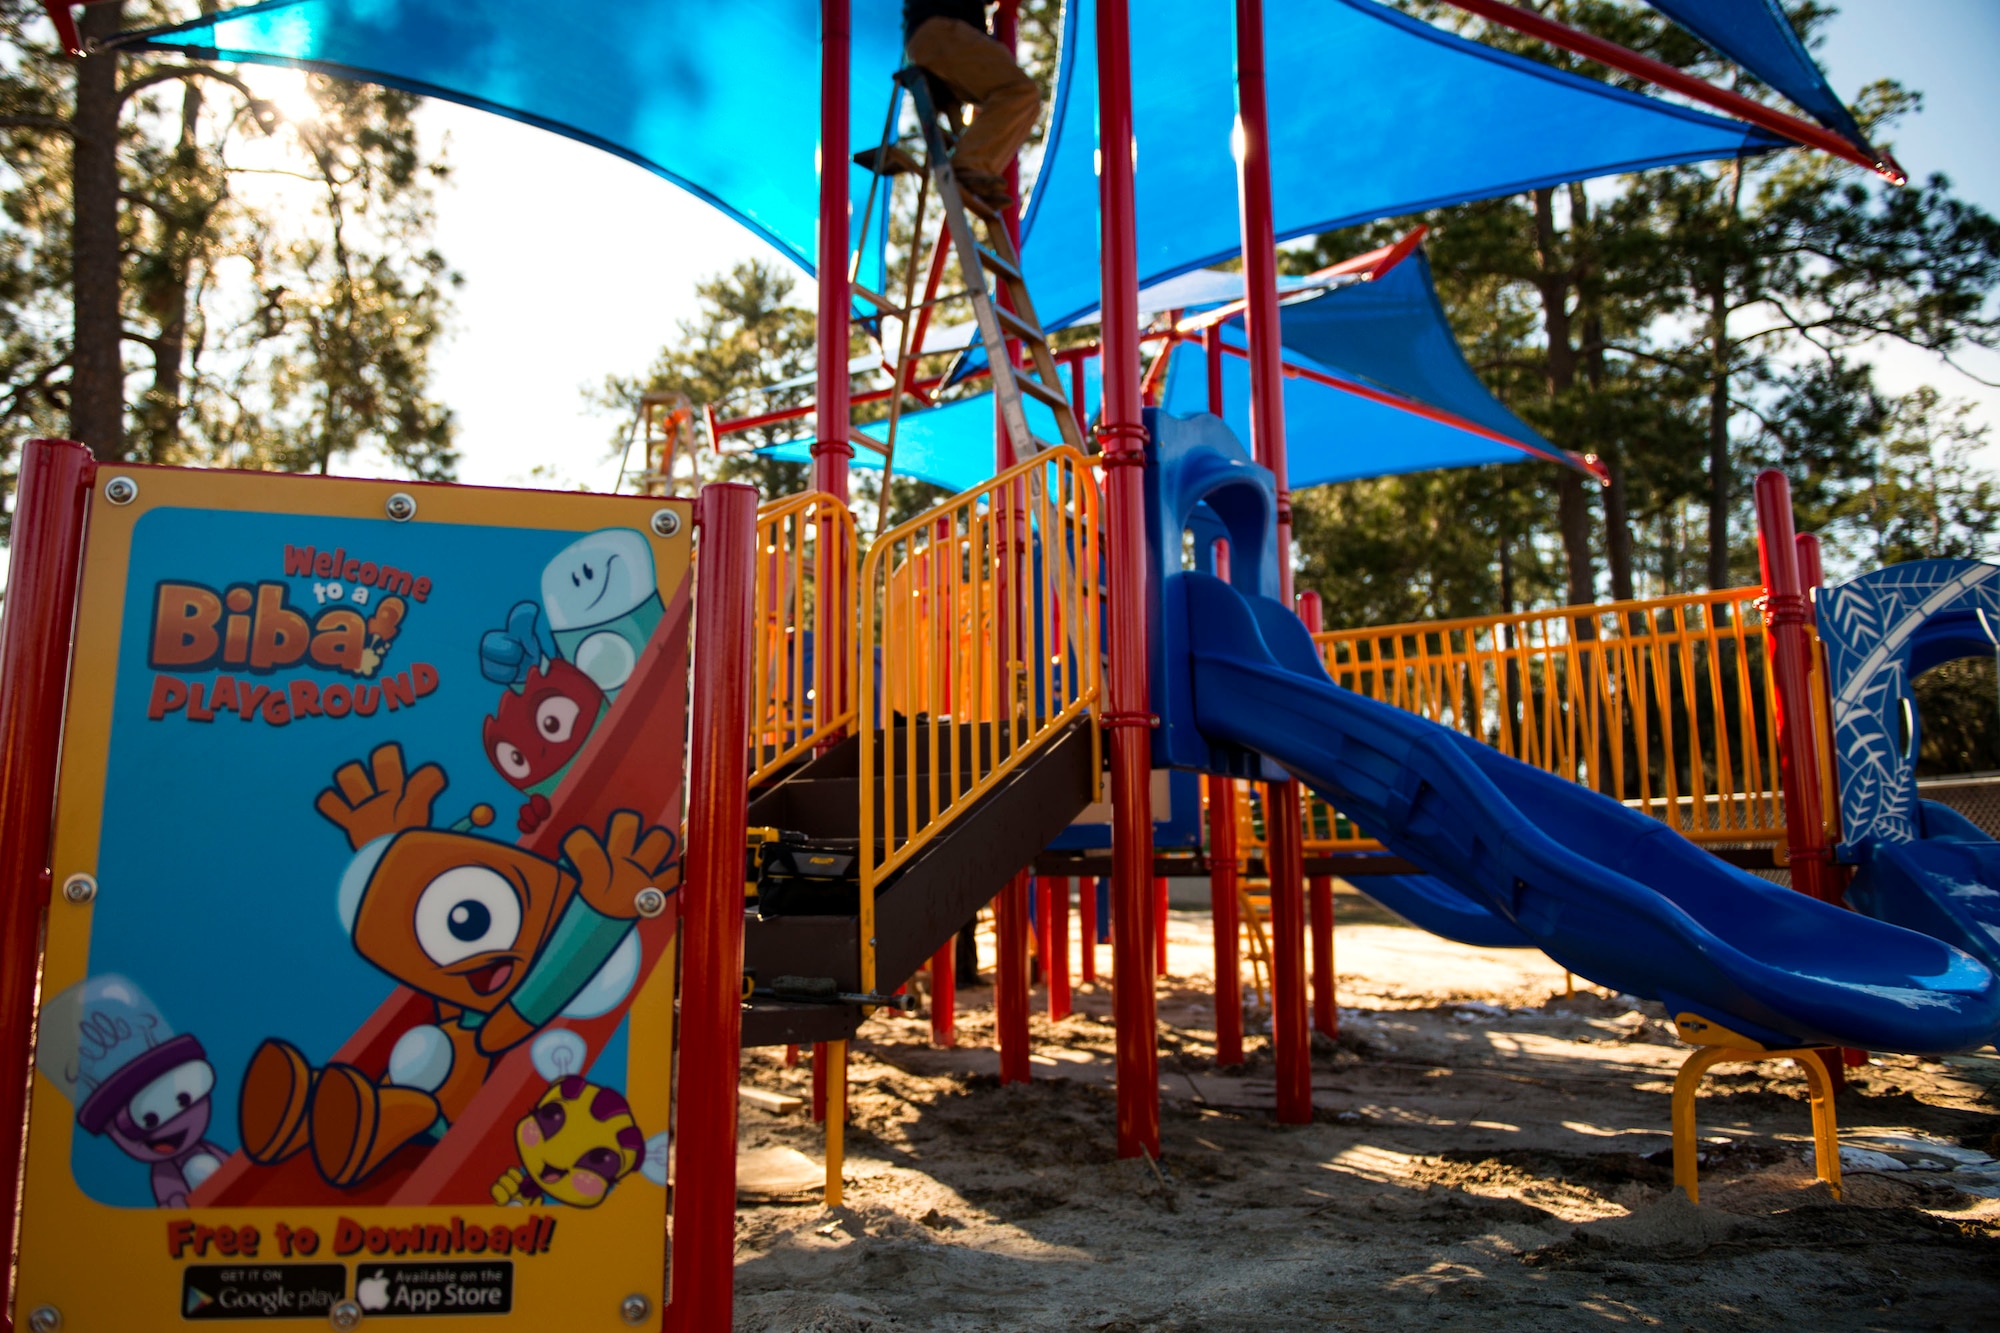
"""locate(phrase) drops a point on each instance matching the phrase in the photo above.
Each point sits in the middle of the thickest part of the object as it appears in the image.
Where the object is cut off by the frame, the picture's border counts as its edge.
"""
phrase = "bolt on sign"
(359, 982)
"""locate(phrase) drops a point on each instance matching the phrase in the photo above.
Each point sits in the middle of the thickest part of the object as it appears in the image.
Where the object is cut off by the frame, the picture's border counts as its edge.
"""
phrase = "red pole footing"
(712, 915)
(49, 502)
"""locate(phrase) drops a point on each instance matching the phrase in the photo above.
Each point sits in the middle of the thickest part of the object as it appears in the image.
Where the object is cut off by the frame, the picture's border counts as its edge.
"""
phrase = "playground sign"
(358, 997)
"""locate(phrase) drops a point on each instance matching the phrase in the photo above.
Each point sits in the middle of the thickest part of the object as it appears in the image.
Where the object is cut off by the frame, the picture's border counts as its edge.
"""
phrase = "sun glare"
(284, 89)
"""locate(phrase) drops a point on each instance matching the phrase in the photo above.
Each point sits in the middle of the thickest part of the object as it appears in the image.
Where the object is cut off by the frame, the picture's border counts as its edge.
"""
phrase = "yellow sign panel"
(358, 1000)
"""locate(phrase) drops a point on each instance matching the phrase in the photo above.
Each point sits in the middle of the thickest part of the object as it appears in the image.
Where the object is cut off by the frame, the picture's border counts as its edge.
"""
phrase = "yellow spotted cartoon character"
(580, 1140)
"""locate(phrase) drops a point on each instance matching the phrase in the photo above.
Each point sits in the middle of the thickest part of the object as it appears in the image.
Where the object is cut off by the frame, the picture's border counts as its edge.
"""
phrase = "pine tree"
(196, 277)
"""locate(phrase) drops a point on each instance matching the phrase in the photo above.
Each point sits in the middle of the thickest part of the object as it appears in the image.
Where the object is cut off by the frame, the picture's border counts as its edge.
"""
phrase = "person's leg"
(984, 73)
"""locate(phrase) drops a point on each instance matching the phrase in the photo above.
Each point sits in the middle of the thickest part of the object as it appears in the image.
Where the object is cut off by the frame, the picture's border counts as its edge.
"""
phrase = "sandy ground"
(1485, 1153)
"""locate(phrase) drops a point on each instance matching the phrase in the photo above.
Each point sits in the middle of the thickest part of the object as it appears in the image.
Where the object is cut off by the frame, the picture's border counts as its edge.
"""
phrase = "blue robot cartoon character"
(135, 1081)
(602, 599)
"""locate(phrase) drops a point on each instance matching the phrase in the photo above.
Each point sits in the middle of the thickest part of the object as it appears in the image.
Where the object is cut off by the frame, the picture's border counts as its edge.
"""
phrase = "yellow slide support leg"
(1687, 1085)
(836, 1118)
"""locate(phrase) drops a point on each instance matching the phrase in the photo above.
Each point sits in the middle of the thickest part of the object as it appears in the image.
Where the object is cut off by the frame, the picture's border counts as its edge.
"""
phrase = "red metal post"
(819, 1059)
(944, 992)
(1038, 910)
(1010, 909)
(1325, 1010)
(712, 914)
(1010, 978)
(1812, 577)
(1222, 888)
(47, 550)
(1160, 924)
(1121, 435)
(1788, 635)
(831, 448)
(1267, 432)
(1086, 926)
(1055, 963)
(1211, 344)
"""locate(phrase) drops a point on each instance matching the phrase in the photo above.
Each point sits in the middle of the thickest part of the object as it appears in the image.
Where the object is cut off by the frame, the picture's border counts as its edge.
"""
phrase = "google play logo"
(194, 1300)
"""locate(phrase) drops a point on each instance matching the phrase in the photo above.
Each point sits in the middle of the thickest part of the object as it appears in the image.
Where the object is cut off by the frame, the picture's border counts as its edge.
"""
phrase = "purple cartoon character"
(134, 1080)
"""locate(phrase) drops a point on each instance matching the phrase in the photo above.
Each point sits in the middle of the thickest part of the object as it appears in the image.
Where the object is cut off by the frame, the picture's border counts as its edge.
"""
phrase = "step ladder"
(984, 261)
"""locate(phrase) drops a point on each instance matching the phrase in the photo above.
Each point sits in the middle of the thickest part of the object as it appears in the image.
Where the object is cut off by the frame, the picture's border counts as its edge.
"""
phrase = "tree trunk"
(1718, 440)
(1618, 530)
(1552, 283)
(97, 376)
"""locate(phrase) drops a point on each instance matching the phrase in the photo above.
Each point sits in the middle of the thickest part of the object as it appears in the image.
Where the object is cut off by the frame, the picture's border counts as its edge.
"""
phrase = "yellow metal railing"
(978, 646)
(803, 610)
(1664, 704)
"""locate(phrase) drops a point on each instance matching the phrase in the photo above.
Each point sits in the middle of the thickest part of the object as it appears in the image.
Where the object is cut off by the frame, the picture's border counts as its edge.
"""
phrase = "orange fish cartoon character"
(501, 940)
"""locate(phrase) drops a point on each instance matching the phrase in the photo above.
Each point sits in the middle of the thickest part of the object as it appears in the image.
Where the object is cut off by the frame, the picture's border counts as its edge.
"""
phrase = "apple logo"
(373, 1292)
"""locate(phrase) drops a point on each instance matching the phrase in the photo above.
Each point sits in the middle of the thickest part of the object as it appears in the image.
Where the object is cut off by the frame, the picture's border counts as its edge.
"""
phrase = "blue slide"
(1609, 893)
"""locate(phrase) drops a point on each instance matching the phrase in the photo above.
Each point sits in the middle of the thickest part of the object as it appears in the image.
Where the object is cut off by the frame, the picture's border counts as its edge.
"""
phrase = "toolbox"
(801, 876)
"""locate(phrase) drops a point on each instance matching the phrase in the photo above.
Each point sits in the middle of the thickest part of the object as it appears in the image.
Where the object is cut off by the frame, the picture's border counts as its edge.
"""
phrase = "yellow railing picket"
(978, 646)
(1664, 704)
(805, 592)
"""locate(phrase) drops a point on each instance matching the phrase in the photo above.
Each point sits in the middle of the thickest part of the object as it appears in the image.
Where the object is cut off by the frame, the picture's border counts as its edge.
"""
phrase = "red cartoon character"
(501, 940)
(538, 729)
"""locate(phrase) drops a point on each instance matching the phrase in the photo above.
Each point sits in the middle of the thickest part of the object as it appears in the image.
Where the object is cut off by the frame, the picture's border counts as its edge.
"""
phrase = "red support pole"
(819, 1058)
(1086, 926)
(1010, 909)
(1211, 343)
(1055, 963)
(1267, 432)
(831, 448)
(712, 914)
(1325, 1009)
(1010, 978)
(1121, 434)
(1038, 911)
(1812, 577)
(1788, 635)
(1160, 924)
(1222, 889)
(47, 551)
(944, 992)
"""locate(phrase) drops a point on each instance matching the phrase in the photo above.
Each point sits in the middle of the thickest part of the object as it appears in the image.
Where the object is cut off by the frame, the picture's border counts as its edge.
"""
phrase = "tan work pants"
(981, 71)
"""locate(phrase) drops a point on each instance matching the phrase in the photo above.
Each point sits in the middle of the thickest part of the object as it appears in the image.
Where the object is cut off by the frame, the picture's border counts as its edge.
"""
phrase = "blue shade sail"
(1373, 114)
(1392, 332)
(720, 98)
(1331, 435)
(950, 446)
(1388, 336)
(1757, 35)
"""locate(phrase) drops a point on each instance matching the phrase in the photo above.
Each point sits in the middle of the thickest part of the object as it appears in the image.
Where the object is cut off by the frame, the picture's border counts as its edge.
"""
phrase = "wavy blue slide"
(1609, 893)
